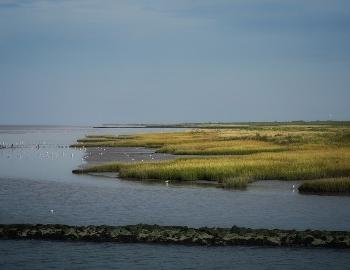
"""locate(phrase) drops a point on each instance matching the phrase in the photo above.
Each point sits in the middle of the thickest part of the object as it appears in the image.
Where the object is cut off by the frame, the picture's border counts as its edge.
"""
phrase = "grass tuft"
(107, 167)
(235, 182)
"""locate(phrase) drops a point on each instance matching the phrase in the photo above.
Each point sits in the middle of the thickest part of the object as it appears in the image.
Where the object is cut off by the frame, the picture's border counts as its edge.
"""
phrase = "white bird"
(51, 211)
(166, 181)
(293, 186)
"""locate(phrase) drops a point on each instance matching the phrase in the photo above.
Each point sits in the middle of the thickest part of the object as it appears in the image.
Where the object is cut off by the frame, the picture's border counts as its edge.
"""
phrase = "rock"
(143, 233)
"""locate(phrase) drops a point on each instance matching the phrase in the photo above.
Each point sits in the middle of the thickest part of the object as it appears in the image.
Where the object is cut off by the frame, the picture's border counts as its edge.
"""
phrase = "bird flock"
(20, 150)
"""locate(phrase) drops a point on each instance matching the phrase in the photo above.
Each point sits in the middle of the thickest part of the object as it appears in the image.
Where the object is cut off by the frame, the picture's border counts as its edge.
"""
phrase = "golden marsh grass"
(235, 157)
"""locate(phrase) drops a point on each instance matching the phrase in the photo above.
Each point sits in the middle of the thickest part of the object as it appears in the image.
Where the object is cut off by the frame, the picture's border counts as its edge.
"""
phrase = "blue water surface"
(35, 179)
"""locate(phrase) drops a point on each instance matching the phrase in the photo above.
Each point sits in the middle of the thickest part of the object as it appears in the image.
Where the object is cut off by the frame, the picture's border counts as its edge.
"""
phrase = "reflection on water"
(35, 180)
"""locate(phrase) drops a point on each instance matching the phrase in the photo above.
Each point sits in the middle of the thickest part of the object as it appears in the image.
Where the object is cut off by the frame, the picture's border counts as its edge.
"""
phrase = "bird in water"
(51, 211)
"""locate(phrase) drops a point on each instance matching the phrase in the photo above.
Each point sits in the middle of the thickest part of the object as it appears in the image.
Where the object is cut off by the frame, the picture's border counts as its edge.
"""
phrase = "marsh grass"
(335, 185)
(236, 182)
(273, 152)
(296, 165)
(106, 167)
(227, 141)
(233, 147)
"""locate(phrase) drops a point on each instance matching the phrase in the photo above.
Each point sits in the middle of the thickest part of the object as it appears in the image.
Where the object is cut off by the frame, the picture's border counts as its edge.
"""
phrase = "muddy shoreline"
(98, 155)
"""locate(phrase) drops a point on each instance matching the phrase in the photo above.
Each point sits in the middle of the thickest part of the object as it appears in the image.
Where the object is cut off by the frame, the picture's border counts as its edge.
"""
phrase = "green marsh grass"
(235, 182)
(328, 186)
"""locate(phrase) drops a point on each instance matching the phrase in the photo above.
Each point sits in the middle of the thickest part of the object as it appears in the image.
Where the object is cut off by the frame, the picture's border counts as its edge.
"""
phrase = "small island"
(234, 155)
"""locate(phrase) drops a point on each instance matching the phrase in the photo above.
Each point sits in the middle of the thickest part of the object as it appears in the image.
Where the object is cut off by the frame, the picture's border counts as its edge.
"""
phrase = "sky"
(165, 61)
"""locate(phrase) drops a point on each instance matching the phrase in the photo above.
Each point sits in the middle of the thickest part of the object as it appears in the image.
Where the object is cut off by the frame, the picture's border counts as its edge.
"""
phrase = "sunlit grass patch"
(293, 165)
(233, 147)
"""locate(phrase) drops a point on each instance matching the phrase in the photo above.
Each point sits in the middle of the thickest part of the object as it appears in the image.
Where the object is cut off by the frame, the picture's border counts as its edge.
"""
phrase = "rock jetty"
(143, 233)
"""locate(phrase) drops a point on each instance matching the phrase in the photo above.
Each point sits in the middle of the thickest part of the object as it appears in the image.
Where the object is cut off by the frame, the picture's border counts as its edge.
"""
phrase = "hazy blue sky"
(90, 61)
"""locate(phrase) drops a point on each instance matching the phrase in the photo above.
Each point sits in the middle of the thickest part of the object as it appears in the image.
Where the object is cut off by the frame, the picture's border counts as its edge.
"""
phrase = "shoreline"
(98, 155)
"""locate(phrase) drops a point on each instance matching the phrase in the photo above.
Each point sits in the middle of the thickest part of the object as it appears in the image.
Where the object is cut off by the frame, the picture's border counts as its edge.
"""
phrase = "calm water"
(65, 255)
(33, 181)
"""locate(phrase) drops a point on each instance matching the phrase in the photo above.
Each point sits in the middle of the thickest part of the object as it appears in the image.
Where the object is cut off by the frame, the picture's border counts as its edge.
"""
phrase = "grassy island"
(234, 157)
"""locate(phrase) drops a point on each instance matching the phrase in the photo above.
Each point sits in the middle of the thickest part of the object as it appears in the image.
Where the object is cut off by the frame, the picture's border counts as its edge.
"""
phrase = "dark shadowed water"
(35, 180)
(68, 255)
